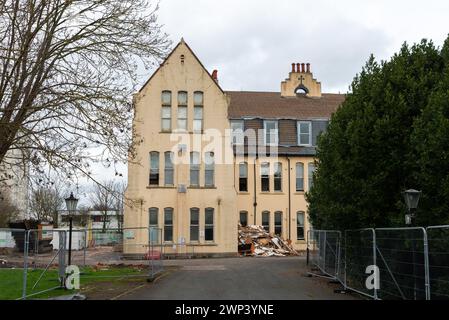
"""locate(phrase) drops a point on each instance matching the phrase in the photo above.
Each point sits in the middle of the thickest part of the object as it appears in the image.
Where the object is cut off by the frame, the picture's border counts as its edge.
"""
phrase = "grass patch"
(11, 280)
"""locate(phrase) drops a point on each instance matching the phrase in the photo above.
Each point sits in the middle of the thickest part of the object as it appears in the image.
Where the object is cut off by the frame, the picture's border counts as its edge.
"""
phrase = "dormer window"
(304, 133)
(271, 132)
(301, 91)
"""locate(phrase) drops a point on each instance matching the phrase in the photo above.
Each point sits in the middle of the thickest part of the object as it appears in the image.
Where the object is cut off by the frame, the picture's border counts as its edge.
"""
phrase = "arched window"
(209, 169)
(300, 225)
(182, 110)
(301, 90)
(265, 176)
(266, 220)
(168, 224)
(244, 218)
(169, 168)
(278, 176)
(194, 169)
(209, 224)
(198, 100)
(153, 221)
(194, 224)
(154, 168)
(278, 223)
(299, 176)
(311, 171)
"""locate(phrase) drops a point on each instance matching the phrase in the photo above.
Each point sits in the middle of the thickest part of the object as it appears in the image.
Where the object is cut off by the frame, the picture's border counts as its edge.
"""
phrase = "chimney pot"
(293, 67)
(215, 75)
(303, 69)
(308, 67)
(297, 67)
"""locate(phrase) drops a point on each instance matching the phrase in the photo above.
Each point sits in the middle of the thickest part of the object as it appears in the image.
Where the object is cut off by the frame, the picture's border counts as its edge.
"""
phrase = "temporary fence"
(385, 263)
(179, 250)
(33, 262)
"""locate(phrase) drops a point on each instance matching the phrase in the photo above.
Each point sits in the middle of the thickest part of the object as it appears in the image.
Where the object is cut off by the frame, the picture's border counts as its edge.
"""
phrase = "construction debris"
(256, 241)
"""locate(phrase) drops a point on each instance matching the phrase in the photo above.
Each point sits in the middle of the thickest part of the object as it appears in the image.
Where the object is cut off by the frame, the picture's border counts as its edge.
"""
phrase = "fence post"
(375, 263)
(426, 264)
(25, 263)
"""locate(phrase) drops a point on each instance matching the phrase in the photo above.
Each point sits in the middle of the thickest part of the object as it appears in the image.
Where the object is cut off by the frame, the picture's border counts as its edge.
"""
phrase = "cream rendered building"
(207, 159)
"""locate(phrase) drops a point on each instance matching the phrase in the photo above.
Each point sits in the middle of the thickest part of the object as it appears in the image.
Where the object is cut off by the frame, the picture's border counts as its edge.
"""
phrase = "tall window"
(209, 224)
(265, 176)
(153, 222)
(243, 177)
(278, 176)
(271, 132)
(266, 220)
(278, 222)
(304, 133)
(194, 169)
(194, 224)
(300, 225)
(168, 224)
(299, 176)
(198, 99)
(237, 132)
(209, 169)
(244, 218)
(166, 111)
(169, 169)
(154, 168)
(310, 174)
(182, 110)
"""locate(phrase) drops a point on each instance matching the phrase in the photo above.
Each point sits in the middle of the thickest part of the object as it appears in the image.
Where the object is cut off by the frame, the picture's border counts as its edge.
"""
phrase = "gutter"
(289, 202)
(255, 190)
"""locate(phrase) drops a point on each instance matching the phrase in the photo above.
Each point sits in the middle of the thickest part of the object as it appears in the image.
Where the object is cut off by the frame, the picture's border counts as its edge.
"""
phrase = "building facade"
(207, 159)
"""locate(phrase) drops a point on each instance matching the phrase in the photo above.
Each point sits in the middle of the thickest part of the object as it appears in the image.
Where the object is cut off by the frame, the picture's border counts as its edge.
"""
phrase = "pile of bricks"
(256, 241)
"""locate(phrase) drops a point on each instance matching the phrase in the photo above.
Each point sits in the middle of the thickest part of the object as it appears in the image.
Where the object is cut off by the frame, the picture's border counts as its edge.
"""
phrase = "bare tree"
(67, 72)
(103, 199)
(46, 202)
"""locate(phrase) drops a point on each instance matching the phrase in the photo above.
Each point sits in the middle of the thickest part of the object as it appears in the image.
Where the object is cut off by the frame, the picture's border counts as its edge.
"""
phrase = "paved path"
(237, 279)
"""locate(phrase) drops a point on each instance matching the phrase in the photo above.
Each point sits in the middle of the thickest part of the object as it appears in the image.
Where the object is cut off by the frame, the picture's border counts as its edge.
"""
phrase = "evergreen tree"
(370, 154)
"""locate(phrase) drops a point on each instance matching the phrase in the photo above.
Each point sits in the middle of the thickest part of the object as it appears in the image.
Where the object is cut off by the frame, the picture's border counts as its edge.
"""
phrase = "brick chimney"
(215, 75)
(308, 68)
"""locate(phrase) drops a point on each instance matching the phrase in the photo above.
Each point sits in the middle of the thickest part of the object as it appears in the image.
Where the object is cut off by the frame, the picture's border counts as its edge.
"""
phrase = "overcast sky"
(252, 43)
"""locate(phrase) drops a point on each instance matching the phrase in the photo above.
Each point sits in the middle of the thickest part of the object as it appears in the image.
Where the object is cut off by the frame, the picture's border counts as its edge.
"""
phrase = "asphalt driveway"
(245, 278)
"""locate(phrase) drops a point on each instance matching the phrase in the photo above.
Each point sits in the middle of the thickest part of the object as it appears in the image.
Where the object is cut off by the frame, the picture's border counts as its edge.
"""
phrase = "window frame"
(170, 168)
(154, 171)
(169, 106)
(276, 226)
(196, 226)
(265, 123)
(298, 129)
(277, 175)
(210, 226)
(234, 136)
(267, 213)
(209, 168)
(169, 227)
(153, 227)
(194, 168)
(302, 226)
(264, 176)
(244, 213)
(243, 178)
(297, 177)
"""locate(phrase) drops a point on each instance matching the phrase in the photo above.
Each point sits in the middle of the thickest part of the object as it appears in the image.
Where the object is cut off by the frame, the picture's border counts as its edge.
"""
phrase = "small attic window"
(301, 90)
(182, 59)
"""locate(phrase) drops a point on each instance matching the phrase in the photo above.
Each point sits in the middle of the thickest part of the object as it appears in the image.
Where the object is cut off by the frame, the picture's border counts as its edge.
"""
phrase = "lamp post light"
(411, 198)
(71, 203)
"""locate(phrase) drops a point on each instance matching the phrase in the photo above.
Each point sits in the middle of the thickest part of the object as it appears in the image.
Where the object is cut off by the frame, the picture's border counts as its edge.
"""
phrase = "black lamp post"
(71, 203)
(411, 198)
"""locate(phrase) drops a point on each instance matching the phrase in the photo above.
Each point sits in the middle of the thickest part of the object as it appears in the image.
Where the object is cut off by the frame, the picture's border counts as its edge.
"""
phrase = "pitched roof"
(169, 55)
(271, 105)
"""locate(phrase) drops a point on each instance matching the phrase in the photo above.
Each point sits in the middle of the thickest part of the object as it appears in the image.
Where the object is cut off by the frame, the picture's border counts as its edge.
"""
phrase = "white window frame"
(265, 122)
(298, 129)
(237, 138)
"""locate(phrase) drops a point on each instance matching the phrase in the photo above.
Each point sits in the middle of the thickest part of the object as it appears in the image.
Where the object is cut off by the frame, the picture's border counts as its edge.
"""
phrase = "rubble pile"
(256, 241)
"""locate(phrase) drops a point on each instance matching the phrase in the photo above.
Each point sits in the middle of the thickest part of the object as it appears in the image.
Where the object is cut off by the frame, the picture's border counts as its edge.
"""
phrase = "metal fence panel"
(438, 249)
(358, 254)
(324, 251)
(402, 263)
(12, 263)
